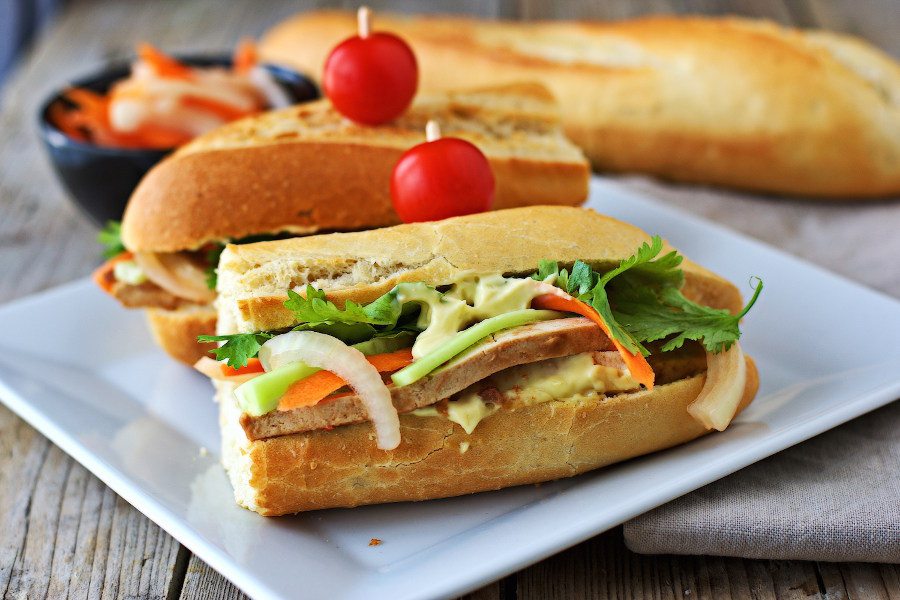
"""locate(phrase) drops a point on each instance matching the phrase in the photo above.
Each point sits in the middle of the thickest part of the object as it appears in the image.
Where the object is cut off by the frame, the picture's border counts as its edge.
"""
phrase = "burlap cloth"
(835, 497)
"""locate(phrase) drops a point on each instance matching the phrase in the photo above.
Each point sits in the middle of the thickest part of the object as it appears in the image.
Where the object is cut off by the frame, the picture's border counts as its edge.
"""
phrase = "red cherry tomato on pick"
(445, 178)
(372, 79)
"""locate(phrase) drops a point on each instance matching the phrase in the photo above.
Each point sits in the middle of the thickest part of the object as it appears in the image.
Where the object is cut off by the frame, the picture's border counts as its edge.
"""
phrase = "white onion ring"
(213, 369)
(726, 378)
(331, 354)
(177, 274)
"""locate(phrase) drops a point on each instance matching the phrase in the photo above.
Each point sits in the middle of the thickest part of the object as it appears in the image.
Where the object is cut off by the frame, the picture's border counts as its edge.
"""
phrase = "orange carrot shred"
(163, 64)
(638, 366)
(220, 109)
(253, 366)
(313, 389)
(245, 56)
(103, 275)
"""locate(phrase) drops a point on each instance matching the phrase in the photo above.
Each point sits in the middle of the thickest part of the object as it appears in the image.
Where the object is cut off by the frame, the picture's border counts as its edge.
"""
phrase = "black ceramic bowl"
(100, 180)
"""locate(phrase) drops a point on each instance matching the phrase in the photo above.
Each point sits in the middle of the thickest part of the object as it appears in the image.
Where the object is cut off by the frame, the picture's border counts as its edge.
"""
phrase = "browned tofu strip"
(518, 346)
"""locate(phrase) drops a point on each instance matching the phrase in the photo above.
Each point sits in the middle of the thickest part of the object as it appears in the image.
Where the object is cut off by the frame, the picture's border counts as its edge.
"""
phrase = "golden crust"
(305, 169)
(176, 331)
(343, 467)
(253, 278)
(725, 101)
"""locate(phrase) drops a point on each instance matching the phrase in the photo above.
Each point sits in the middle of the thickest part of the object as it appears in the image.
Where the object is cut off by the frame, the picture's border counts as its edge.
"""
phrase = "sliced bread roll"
(306, 169)
(520, 441)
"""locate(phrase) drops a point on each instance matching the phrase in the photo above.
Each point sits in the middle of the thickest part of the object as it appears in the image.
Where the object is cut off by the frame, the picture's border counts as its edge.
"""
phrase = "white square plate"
(85, 373)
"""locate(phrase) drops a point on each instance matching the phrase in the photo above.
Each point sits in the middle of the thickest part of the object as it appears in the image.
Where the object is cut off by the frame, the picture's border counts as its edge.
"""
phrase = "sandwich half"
(438, 359)
(303, 170)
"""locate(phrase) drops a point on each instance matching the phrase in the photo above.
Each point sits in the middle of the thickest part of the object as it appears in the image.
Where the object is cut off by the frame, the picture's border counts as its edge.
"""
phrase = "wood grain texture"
(203, 583)
(65, 534)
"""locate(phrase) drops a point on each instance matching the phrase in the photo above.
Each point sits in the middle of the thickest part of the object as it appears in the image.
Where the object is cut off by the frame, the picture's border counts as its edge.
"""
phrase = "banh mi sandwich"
(437, 359)
(303, 170)
(728, 101)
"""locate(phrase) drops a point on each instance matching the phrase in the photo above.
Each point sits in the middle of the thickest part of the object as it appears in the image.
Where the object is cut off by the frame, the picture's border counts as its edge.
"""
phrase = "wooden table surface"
(64, 534)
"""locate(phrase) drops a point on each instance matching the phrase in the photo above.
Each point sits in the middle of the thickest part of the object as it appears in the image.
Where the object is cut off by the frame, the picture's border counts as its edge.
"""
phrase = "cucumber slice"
(380, 345)
(467, 338)
(261, 394)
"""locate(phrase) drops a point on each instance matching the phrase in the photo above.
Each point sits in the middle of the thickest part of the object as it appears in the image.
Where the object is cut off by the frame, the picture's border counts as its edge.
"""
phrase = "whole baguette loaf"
(360, 266)
(306, 169)
(437, 459)
(726, 101)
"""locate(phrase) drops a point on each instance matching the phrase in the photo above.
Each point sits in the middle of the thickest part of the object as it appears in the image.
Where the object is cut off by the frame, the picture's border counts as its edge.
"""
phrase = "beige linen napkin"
(833, 498)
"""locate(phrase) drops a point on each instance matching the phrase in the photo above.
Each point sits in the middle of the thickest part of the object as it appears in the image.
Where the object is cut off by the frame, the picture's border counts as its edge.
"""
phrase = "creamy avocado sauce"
(467, 410)
(560, 378)
(567, 379)
(470, 299)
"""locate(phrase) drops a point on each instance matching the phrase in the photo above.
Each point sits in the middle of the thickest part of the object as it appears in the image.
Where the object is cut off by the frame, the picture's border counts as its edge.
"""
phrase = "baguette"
(306, 169)
(280, 463)
(725, 101)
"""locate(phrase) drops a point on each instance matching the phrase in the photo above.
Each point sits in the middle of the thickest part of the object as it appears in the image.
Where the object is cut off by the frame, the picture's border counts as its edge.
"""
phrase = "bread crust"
(726, 101)
(304, 169)
(343, 467)
(176, 331)
(253, 278)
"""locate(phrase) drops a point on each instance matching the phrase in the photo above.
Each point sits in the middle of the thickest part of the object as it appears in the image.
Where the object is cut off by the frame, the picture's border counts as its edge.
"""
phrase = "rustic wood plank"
(201, 582)
(859, 580)
(64, 533)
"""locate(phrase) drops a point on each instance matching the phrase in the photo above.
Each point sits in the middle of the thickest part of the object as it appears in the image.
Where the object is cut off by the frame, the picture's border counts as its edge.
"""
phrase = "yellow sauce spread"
(470, 299)
(567, 379)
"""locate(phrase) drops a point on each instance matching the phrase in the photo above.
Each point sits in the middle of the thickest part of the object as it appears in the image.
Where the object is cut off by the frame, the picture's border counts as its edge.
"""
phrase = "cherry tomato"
(371, 79)
(448, 177)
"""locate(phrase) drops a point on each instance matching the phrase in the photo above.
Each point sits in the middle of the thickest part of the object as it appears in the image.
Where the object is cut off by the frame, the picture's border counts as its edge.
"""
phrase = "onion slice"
(177, 274)
(726, 377)
(330, 354)
(269, 88)
(213, 369)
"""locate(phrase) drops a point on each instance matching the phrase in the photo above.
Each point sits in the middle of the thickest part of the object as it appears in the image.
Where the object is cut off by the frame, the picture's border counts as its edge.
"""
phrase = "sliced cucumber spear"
(261, 394)
(467, 338)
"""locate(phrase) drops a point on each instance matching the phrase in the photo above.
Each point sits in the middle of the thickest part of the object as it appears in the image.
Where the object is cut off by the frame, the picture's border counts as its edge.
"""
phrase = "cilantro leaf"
(640, 301)
(546, 268)
(314, 309)
(641, 262)
(111, 239)
(581, 280)
(645, 254)
(650, 317)
(238, 348)
(599, 299)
